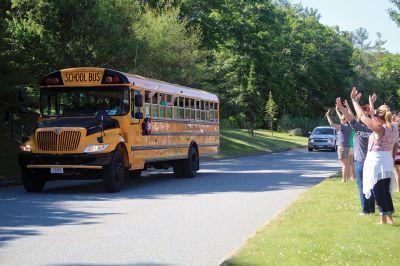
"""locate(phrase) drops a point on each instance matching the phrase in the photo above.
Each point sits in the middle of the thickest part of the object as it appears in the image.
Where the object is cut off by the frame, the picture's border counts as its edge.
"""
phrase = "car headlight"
(330, 140)
(25, 147)
(96, 148)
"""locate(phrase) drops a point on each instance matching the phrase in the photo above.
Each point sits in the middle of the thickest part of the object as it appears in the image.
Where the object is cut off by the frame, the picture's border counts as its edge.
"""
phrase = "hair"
(383, 112)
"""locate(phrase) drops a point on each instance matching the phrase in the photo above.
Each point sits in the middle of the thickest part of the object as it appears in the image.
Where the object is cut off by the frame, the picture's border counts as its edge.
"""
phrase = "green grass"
(239, 142)
(323, 228)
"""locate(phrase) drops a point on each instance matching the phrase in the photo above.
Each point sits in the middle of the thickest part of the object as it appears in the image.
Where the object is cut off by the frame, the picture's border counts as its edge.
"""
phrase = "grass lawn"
(239, 142)
(323, 228)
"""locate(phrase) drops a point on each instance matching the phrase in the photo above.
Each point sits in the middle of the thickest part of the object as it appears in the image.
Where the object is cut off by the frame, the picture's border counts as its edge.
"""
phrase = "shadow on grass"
(233, 142)
(55, 205)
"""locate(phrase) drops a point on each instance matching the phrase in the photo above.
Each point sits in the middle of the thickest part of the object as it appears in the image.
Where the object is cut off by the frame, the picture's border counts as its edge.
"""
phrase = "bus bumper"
(65, 161)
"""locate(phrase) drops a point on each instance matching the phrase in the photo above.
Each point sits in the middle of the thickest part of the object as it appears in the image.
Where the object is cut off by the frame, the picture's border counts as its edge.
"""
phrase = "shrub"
(295, 125)
(295, 132)
(236, 121)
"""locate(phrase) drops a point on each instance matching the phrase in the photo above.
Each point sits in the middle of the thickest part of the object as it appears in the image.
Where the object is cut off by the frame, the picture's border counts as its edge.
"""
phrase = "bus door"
(136, 129)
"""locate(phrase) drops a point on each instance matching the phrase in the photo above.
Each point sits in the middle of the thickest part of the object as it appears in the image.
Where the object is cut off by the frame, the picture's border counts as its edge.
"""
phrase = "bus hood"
(91, 124)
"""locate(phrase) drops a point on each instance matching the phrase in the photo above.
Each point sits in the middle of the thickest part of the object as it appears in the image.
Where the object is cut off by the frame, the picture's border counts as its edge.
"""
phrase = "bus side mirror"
(139, 115)
(22, 94)
(138, 100)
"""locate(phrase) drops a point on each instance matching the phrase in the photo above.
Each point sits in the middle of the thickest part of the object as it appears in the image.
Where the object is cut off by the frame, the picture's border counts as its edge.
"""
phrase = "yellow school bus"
(102, 123)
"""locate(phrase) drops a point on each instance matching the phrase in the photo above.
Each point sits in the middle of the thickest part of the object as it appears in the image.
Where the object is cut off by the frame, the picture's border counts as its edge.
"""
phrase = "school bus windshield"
(84, 101)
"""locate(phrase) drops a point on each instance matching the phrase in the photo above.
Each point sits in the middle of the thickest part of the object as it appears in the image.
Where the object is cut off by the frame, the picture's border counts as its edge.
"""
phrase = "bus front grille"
(64, 141)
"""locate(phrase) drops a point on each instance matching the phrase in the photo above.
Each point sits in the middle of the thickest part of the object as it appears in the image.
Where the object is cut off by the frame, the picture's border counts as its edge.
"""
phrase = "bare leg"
(347, 169)
(352, 168)
(343, 169)
(390, 220)
(397, 175)
(383, 219)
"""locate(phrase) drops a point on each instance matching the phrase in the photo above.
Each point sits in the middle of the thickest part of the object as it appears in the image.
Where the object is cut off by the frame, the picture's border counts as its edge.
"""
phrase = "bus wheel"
(114, 174)
(189, 166)
(32, 181)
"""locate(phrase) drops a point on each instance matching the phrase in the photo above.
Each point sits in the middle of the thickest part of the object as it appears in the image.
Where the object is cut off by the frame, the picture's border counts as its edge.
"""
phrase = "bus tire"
(188, 167)
(32, 181)
(114, 174)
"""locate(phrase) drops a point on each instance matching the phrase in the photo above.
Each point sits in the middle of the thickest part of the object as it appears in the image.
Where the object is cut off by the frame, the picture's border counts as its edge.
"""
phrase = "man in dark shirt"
(362, 133)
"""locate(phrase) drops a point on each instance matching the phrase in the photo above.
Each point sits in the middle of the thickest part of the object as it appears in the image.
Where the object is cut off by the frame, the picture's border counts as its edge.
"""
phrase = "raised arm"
(347, 105)
(331, 123)
(345, 111)
(396, 118)
(338, 113)
(372, 100)
(371, 124)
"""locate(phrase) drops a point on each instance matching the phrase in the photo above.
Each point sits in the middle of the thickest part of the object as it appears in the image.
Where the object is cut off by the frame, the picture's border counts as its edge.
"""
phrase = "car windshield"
(84, 101)
(324, 131)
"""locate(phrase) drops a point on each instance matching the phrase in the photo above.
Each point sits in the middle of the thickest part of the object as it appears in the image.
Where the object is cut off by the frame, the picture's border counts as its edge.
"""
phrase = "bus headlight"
(25, 147)
(96, 148)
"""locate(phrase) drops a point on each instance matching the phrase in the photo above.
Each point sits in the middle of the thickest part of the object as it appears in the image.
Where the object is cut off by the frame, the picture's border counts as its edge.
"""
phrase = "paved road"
(157, 219)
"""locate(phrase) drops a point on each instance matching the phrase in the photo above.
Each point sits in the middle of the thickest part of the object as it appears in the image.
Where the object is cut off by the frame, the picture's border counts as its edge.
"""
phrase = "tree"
(251, 100)
(9, 76)
(395, 14)
(271, 111)
(168, 48)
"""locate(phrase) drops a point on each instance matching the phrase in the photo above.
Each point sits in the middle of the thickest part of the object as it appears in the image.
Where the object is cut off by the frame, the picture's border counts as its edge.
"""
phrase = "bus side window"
(169, 106)
(147, 104)
(181, 107)
(202, 110)
(137, 103)
(192, 109)
(163, 105)
(154, 105)
(211, 111)
(207, 107)
(187, 108)
(175, 111)
(197, 110)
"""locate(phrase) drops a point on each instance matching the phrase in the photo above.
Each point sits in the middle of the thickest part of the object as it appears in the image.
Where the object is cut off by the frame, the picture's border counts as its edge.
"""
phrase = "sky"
(350, 15)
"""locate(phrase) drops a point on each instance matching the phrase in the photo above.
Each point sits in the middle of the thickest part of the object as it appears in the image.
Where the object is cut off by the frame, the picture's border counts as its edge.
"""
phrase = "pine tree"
(251, 98)
(271, 111)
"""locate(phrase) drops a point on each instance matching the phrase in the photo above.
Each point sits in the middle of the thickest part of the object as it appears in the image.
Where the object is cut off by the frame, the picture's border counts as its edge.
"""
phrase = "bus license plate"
(57, 170)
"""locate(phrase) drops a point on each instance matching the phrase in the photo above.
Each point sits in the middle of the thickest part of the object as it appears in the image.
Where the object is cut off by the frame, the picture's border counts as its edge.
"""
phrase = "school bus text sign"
(82, 77)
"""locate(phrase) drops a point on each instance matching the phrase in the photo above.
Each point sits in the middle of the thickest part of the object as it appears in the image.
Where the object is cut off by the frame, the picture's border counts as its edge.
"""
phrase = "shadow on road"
(21, 213)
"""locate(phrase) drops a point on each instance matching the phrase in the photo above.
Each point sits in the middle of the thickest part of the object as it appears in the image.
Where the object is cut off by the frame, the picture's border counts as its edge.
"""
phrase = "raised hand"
(396, 117)
(372, 99)
(339, 102)
(355, 95)
(346, 104)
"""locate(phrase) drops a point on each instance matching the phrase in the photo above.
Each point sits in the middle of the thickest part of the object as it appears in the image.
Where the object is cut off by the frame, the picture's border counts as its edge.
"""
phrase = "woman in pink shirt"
(378, 166)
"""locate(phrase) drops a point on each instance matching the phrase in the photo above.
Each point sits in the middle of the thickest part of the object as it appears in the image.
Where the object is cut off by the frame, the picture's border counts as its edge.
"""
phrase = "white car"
(322, 138)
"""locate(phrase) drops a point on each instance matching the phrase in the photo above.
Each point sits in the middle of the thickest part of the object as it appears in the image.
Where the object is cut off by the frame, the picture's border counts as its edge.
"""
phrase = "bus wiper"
(104, 119)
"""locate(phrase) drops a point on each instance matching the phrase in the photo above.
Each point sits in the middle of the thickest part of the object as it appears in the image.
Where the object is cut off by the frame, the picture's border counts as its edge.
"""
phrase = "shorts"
(343, 152)
(397, 159)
